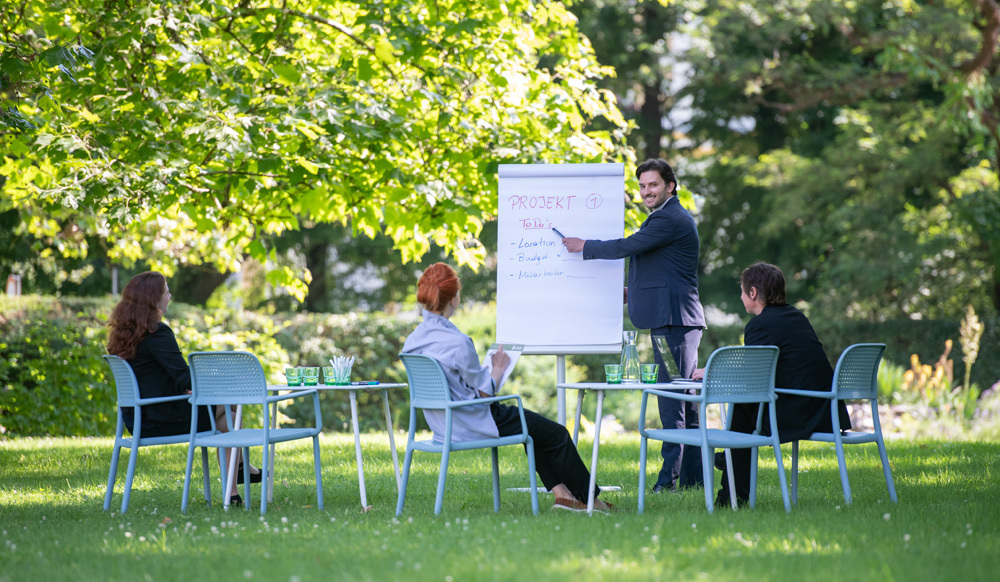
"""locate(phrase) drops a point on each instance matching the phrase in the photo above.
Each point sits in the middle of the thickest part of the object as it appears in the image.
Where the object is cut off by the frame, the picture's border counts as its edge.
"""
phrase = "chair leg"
(707, 469)
(885, 469)
(532, 477)
(642, 472)
(112, 475)
(403, 479)
(204, 474)
(187, 479)
(264, 468)
(132, 458)
(495, 458)
(246, 482)
(754, 459)
(442, 477)
(844, 481)
(319, 474)
(781, 476)
(795, 473)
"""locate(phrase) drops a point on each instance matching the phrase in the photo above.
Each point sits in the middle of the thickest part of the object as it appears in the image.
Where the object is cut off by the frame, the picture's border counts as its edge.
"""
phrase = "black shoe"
(236, 501)
(658, 488)
(723, 502)
(720, 461)
(254, 477)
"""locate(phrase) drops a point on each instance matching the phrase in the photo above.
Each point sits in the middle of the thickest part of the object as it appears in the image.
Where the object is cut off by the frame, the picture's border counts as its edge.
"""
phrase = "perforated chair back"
(856, 376)
(429, 389)
(126, 385)
(740, 374)
(428, 384)
(226, 378)
(128, 396)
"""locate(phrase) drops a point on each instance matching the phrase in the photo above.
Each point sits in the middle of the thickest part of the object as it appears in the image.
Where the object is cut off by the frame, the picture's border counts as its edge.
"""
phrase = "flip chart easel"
(549, 299)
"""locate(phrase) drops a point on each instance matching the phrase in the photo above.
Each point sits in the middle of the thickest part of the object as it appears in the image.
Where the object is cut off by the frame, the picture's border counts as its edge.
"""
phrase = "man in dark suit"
(802, 364)
(662, 296)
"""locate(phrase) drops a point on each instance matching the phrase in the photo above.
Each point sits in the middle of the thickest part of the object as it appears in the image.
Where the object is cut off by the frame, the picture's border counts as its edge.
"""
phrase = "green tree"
(634, 38)
(855, 145)
(185, 133)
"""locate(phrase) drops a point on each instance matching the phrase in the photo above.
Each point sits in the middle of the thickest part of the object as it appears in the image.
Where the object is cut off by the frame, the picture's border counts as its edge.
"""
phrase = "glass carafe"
(630, 358)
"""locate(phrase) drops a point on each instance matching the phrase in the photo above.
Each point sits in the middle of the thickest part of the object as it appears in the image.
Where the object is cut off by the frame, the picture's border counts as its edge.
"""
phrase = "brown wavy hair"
(137, 314)
(437, 286)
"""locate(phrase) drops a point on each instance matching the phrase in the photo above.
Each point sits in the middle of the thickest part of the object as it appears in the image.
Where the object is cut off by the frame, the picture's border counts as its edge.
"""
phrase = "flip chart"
(547, 297)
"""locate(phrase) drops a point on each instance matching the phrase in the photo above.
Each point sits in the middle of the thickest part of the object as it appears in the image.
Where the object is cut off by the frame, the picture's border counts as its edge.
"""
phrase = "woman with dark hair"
(556, 458)
(802, 365)
(139, 336)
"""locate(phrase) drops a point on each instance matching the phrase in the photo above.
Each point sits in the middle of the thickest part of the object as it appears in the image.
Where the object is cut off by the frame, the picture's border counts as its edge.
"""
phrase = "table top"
(676, 385)
(380, 385)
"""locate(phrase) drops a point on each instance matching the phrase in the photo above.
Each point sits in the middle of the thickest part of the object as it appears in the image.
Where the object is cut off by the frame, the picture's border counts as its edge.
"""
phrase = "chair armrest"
(289, 395)
(488, 400)
(674, 395)
(145, 401)
(809, 393)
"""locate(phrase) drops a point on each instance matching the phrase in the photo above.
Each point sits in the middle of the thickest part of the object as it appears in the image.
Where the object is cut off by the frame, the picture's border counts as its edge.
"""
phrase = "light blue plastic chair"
(855, 378)
(237, 378)
(429, 390)
(128, 396)
(742, 374)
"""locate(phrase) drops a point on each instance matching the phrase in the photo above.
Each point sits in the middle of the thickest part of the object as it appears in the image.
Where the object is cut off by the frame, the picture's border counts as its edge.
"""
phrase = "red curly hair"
(437, 286)
(137, 314)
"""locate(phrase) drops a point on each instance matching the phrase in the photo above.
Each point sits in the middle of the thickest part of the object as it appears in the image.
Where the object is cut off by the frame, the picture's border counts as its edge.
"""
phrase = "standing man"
(662, 296)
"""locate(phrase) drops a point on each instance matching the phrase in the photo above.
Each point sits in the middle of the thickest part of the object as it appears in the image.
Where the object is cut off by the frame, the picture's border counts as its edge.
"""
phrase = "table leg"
(357, 447)
(392, 438)
(579, 411)
(561, 392)
(230, 477)
(728, 453)
(597, 446)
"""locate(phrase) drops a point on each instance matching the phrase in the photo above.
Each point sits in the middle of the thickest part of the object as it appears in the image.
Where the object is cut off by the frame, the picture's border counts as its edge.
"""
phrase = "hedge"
(53, 381)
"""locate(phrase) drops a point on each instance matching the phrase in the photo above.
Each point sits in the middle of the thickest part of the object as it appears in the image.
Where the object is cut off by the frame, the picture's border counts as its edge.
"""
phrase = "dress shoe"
(236, 501)
(723, 503)
(574, 505)
(254, 477)
(569, 504)
(661, 488)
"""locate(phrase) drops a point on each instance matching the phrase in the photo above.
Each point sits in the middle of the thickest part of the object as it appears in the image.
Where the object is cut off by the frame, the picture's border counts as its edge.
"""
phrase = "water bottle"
(630, 358)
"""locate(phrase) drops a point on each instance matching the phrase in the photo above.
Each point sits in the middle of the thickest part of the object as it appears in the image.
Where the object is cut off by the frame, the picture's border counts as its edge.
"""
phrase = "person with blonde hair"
(556, 459)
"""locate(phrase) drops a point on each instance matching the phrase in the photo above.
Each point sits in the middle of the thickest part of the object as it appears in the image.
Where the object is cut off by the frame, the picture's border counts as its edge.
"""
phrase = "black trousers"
(681, 463)
(556, 458)
(156, 428)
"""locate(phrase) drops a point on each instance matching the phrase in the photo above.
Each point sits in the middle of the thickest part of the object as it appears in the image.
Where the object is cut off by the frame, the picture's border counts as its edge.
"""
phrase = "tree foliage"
(855, 144)
(188, 133)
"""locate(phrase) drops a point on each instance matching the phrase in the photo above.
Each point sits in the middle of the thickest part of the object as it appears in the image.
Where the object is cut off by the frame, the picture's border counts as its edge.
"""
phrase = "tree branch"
(990, 11)
(848, 94)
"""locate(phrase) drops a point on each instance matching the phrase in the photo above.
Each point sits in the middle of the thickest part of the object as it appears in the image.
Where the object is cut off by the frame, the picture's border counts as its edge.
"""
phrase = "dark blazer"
(161, 370)
(802, 365)
(663, 268)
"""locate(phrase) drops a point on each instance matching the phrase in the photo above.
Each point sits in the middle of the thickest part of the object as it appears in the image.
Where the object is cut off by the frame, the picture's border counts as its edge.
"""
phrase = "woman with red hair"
(139, 336)
(556, 458)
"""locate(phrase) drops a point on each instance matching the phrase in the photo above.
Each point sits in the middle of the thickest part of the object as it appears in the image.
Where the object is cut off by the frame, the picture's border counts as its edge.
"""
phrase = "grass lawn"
(946, 526)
